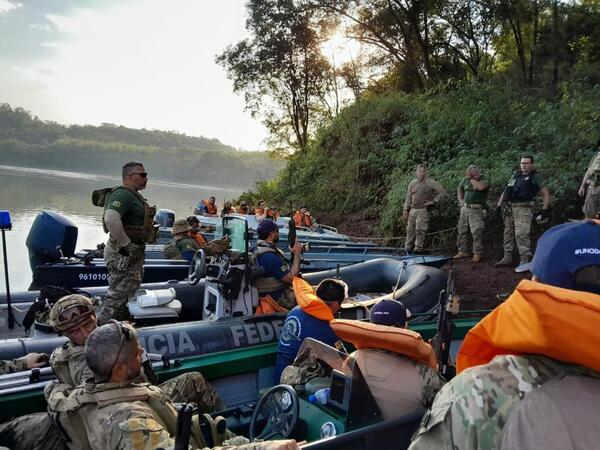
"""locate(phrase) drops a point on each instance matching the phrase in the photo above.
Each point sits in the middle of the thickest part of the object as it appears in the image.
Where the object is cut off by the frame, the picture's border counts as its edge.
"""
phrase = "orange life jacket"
(307, 299)
(200, 240)
(397, 340)
(260, 211)
(267, 305)
(537, 319)
(210, 209)
(302, 220)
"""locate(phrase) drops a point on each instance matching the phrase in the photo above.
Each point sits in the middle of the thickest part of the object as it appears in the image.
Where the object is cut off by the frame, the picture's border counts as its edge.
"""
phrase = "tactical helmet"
(181, 226)
(79, 309)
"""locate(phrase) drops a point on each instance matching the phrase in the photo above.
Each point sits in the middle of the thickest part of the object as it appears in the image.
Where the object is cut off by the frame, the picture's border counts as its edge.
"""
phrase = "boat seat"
(157, 303)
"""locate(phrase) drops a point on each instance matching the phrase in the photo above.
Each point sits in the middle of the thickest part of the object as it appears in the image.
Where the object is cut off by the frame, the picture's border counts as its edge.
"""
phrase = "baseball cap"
(389, 312)
(563, 250)
(266, 226)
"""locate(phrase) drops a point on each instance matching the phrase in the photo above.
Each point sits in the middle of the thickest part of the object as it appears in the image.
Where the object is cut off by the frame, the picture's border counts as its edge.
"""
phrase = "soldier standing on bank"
(472, 198)
(422, 193)
(130, 221)
(517, 202)
(591, 182)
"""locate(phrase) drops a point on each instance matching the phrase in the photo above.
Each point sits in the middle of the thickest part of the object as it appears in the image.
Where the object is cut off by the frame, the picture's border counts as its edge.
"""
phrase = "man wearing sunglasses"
(130, 221)
(115, 411)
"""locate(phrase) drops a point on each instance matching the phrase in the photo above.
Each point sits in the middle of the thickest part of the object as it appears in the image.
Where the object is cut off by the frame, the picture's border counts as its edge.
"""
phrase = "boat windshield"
(235, 228)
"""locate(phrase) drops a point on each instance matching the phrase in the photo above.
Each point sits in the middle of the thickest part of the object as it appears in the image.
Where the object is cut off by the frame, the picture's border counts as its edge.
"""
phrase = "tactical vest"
(146, 233)
(522, 187)
(269, 283)
(68, 363)
(71, 420)
(171, 251)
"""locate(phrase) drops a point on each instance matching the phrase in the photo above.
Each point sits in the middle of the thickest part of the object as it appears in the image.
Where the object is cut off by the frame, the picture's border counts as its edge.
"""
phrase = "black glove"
(123, 251)
(497, 214)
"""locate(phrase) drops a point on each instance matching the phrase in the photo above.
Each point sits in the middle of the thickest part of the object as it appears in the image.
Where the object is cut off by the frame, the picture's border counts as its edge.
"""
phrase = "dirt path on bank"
(476, 284)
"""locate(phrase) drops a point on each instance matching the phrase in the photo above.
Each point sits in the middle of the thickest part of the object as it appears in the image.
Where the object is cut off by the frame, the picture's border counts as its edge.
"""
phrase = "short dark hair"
(421, 165)
(529, 157)
(193, 220)
(331, 290)
(587, 279)
(128, 168)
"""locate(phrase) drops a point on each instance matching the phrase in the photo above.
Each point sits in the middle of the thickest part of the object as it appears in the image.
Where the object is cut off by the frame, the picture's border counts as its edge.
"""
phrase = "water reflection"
(25, 192)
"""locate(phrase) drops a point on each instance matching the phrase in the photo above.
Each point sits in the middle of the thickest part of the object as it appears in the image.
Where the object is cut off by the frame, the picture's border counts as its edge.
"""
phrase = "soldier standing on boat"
(130, 221)
(472, 198)
(517, 202)
(591, 182)
(422, 193)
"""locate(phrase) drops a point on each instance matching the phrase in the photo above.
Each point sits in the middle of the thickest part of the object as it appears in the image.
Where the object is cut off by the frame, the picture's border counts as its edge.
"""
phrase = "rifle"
(449, 305)
(184, 427)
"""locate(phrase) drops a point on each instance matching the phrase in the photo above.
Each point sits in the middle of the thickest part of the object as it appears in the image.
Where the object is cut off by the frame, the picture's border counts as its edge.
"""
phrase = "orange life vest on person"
(210, 209)
(307, 299)
(302, 220)
(366, 335)
(537, 319)
(200, 240)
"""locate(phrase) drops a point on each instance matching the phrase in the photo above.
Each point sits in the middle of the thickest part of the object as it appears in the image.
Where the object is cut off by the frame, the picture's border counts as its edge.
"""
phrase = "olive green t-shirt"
(472, 196)
(128, 205)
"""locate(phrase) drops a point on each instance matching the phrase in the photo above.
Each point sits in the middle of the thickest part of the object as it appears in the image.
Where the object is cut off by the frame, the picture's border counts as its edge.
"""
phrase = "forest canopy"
(26, 140)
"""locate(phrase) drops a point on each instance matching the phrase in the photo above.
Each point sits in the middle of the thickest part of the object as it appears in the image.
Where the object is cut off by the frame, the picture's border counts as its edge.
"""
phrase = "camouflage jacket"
(470, 411)
(16, 365)
(68, 363)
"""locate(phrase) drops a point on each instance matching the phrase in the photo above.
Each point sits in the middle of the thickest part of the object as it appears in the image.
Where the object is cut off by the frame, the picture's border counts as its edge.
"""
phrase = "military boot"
(524, 259)
(460, 255)
(505, 261)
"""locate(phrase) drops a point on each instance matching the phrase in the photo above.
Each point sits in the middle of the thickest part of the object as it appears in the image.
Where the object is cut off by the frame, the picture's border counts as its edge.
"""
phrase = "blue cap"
(266, 226)
(563, 250)
(389, 312)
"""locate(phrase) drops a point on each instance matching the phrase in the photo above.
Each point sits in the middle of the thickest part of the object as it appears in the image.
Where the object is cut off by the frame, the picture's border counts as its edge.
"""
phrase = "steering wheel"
(197, 269)
(280, 407)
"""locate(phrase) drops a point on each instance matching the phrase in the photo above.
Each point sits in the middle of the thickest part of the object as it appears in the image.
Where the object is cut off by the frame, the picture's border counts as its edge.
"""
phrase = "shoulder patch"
(144, 433)
(115, 203)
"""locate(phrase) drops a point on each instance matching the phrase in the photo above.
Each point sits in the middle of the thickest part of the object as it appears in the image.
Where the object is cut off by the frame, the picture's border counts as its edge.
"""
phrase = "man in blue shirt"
(278, 270)
(310, 319)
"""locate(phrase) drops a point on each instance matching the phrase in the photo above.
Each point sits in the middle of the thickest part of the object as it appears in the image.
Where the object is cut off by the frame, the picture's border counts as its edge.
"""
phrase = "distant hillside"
(26, 140)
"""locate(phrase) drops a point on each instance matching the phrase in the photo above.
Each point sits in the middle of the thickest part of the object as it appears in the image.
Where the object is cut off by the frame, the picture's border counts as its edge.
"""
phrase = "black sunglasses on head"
(125, 333)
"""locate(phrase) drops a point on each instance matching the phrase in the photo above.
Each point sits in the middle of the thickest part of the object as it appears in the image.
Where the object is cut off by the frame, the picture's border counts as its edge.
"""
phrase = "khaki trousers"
(517, 227)
(416, 228)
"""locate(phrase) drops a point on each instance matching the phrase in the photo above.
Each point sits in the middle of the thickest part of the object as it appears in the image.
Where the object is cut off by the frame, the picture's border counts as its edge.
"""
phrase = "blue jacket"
(298, 326)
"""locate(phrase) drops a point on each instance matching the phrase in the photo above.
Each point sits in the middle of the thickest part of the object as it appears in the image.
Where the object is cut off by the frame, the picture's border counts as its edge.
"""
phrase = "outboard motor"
(165, 218)
(50, 237)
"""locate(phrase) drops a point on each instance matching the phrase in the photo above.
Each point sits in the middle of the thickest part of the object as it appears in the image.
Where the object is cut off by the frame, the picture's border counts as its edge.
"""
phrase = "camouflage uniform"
(471, 411)
(178, 246)
(472, 216)
(31, 432)
(419, 192)
(16, 365)
(124, 279)
(122, 283)
(130, 417)
(591, 207)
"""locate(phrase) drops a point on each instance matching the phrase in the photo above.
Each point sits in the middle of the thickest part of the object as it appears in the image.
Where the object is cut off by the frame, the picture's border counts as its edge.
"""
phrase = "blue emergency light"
(5, 223)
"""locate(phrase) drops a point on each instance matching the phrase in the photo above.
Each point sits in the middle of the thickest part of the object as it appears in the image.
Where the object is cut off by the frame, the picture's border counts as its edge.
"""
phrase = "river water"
(24, 192)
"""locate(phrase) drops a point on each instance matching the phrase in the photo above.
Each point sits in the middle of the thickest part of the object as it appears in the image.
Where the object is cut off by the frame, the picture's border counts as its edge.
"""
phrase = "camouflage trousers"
(192, 387)
(418, 223)
(473, 220)
(591, 207)
(517, 227)
(122, 284)
(32, 432)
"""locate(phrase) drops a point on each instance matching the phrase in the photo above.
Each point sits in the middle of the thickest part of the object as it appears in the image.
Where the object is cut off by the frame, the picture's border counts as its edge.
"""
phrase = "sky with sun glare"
(138, 63)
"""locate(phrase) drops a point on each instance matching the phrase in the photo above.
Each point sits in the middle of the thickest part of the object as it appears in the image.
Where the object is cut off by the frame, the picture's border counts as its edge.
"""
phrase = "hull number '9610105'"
(93, 276)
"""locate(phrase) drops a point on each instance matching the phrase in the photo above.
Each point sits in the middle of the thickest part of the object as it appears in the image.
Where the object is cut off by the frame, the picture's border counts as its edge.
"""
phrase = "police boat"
(52, 240)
